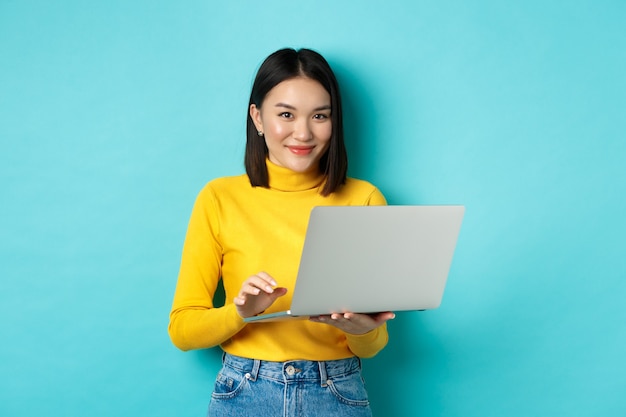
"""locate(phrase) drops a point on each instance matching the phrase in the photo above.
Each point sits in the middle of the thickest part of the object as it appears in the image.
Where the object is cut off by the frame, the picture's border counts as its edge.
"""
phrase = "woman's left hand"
(354, 323)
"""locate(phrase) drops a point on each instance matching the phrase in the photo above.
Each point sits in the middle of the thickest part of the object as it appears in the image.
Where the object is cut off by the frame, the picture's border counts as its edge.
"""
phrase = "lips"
(301, 150)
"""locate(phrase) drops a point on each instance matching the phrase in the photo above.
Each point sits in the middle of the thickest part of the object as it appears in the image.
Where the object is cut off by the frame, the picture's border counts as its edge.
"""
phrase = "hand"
(354, 323)
(256, 294)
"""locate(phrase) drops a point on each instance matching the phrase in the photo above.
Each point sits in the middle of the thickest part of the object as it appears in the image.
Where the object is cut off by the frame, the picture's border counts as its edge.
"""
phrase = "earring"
(260, 133)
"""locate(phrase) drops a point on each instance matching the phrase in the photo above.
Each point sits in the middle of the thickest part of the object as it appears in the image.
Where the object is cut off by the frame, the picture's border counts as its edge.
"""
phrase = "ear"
(255, 114)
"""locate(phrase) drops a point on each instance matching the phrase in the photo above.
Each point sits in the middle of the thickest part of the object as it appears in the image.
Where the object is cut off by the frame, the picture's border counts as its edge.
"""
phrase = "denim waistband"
(293, 370)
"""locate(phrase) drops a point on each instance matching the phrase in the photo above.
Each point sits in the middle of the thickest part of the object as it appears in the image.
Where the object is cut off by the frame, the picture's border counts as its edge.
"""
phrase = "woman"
(249, 231)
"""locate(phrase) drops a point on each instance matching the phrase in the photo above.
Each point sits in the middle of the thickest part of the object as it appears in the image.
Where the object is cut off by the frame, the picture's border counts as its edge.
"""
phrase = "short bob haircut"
(286, 64)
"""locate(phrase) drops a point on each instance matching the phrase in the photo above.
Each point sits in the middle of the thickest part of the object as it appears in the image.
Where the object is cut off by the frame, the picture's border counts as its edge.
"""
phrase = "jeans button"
(290, 370)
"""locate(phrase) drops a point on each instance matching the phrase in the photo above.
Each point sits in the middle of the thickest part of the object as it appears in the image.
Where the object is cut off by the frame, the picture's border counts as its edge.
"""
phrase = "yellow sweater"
(237, 230)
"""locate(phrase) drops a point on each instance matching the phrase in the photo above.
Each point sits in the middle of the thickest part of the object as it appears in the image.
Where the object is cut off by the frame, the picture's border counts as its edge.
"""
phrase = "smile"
(301, 150)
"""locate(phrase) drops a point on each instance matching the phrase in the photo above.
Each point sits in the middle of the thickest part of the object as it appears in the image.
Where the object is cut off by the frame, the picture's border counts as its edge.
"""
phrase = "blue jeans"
(249, 387)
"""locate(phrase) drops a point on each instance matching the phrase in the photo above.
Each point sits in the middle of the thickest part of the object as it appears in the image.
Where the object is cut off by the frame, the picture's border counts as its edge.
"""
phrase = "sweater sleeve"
(376, 198)
(194, 321)
(368, 344)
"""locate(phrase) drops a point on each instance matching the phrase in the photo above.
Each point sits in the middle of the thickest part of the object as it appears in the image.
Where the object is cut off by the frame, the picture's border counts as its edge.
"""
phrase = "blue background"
(113, 115)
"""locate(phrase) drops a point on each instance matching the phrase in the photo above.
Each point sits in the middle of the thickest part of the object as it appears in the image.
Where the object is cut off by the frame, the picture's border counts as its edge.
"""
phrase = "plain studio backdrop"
(113, 115)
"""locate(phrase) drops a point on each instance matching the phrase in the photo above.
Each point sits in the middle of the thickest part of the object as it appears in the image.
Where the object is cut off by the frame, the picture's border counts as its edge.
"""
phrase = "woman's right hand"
(257, 293)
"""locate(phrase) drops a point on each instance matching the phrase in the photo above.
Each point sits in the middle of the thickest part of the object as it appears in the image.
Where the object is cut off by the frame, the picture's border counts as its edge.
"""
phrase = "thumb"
(278, 292)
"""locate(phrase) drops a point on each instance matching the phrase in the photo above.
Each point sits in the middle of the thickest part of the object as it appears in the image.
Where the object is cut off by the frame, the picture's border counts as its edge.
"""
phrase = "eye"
(321, 116)
(286, 115)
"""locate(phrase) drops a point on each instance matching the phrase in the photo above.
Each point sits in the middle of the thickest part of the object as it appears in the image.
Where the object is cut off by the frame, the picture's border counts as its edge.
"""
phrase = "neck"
(284, 179)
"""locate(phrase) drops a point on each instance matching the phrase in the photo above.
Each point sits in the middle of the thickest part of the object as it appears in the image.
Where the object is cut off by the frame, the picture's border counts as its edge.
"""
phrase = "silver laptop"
(367, 259)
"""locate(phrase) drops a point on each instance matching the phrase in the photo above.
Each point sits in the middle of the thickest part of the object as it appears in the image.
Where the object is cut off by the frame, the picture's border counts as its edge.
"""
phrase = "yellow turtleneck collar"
(284, 179)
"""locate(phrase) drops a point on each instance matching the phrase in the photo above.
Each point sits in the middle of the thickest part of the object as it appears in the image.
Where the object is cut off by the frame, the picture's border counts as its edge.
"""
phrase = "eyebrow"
(290, 107)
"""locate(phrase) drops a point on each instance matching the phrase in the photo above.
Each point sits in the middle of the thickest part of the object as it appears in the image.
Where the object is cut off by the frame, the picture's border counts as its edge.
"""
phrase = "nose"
(302, 131)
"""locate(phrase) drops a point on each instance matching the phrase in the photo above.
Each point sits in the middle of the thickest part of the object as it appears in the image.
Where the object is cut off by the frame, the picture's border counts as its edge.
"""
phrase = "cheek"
(324, 132)
(278, 130)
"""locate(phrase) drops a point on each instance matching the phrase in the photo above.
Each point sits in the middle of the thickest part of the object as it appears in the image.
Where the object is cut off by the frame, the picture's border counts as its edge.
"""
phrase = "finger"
(261, 282)
(248, 290)
(267, 278)
(340, 317)
(254, 287)
(279, 292)
(383, 317)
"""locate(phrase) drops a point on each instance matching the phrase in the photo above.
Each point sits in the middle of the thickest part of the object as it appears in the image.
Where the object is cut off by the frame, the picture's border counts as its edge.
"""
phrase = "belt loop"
(323, 375)
(255, 369)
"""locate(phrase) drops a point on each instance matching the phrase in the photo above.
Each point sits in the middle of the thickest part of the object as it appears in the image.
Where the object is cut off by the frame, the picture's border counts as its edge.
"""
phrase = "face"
(295, 120)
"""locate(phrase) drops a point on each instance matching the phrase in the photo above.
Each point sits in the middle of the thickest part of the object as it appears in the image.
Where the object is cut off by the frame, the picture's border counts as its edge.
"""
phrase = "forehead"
(298, 91)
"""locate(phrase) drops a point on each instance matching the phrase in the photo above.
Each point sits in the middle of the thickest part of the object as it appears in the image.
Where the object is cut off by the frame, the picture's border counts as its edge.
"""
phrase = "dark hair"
(282, 65)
